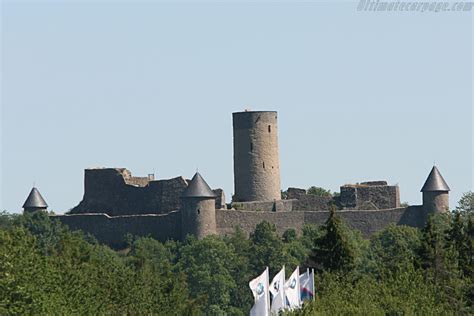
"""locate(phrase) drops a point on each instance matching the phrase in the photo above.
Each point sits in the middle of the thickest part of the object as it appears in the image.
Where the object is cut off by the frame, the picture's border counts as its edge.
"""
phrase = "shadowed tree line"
(47, 269)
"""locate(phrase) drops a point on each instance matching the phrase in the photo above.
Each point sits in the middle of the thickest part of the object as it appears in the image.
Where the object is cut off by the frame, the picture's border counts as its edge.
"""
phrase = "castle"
(115, 203)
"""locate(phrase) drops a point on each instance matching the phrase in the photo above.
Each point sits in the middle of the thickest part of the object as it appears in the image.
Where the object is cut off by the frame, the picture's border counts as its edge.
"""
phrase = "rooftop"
(35, 200)
(435, 182)
(198, 188)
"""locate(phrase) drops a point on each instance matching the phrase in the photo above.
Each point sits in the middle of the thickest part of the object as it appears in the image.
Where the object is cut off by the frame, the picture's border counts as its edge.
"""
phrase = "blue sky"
(151, 86)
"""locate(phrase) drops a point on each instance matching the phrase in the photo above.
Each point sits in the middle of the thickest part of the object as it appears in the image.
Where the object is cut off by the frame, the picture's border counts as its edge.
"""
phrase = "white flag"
(259, 287)
(307, 285)
(277, 288)
(292, 290)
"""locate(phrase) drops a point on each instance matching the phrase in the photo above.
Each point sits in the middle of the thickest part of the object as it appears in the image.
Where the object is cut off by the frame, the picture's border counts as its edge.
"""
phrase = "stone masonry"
(375, 195)
(115, 192)
(256, 160)
(115, 203)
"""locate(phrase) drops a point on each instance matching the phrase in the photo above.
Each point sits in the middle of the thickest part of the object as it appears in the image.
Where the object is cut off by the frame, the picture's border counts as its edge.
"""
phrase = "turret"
(34, 202)
(435, 193)
(256, 161)
(198, 210)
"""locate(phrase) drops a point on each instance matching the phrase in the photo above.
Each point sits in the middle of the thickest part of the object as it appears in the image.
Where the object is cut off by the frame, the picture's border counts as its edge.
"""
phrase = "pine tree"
(333, 251)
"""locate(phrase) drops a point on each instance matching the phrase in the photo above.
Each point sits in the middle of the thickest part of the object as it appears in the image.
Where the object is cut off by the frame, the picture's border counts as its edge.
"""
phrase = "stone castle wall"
(368, 221)
(309, 202)
(111, 230)
(116, 204)
(115, 192)
(375, 195)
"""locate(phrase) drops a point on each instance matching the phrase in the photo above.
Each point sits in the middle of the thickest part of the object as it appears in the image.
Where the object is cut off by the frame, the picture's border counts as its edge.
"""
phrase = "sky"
(151, 86)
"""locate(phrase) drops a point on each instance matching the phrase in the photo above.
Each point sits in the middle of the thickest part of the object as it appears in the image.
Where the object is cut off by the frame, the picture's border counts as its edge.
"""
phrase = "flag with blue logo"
(259, 287)
(292, 290)
(277, 291)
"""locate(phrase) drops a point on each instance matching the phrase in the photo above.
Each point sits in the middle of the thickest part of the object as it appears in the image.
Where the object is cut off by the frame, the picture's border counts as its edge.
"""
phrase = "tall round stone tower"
(256, 160)
(435, 193)
(198, 210)
(34, 202)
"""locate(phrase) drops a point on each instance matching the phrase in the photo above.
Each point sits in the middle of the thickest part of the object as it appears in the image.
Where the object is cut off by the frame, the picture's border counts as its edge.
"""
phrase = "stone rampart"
(366, 221)
(111, 230)
(227, 220)
(269, 206)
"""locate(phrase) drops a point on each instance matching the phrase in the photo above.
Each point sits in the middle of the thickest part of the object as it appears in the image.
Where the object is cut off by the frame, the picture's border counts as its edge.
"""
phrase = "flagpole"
(314, 287)
(283, 286)
(268, 292)
(299, 286)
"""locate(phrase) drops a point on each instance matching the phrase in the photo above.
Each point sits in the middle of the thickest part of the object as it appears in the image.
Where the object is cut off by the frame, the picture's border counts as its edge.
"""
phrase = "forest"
(47, 269)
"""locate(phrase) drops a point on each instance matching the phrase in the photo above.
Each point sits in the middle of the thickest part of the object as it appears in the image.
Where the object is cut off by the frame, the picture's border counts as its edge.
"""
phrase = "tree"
(241, 270)
(393, 249)
(466, 203)
(266, 248)
(207, 264)
(405, 293)
(432, 248)
(438, 258)
(319, 191)
(333, 251)
(457, 238)
(289, 235)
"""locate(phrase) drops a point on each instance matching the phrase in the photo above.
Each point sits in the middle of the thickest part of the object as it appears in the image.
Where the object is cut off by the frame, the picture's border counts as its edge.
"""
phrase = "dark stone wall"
(269, 206)
(220, 198)
(368, 222)
(113, 191)
(112, 230)
(295, 193)
(309, 202)
(227, 220)
(370, 196)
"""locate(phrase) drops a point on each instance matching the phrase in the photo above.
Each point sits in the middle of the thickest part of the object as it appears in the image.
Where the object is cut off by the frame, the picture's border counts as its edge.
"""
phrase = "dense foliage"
(47, 269)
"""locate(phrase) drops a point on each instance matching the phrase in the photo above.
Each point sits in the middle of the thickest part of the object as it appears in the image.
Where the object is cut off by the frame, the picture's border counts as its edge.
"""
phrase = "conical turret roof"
(198, 188)
(35, 200)
(435, 182)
